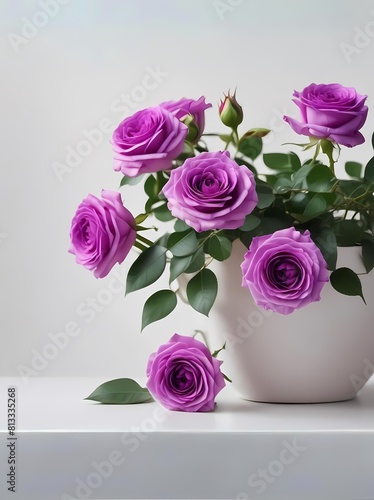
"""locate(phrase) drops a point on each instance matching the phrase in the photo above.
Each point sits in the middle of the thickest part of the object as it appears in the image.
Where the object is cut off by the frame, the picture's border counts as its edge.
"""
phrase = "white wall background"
(72, 72)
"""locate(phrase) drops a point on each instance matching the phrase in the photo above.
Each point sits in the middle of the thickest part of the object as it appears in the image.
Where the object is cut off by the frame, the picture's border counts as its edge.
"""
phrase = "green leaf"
(163, 240)
(179, 265)
(250, 223)
(180, 225)
(299, 177)
(150, 187)
(265, 195)
(256, 132)
(352, 188)
(369, 171)
(368, 254)
(306, 206)
(148, 205)
(348, 232)
(372, 140)
(140, 218)
(320, 179)
(162, 213)
(121, 391)
(241, 161)
(246, 239)
(183, 243)
(130, 181)
(367, 222)
(159, 305)
(147, 268)
(282, 185)
(202, 291)
(273, 220)
(250, 147)
(295, 161)
(353, 169)
(198, 260)
(162, 179)
(346, 281)
(215, 353)
(325, 239)
(219, 247)
(281, 161)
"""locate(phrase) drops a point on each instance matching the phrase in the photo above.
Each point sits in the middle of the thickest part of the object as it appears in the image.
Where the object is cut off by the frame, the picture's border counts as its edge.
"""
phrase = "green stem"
(235, 136)
(142, 239)
(228, 142)
(140, 246)
(328, 149)
(208, 262)
(362, 195)
(316, 152)
(236, 140)
(332, 163)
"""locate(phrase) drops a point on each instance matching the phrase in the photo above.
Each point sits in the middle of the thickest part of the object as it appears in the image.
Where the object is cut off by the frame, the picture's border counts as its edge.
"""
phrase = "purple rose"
(330, 112)
(284, 270)
(185, 107)
(211, 191)
(183, 375)
(102, 233)
(148, 141)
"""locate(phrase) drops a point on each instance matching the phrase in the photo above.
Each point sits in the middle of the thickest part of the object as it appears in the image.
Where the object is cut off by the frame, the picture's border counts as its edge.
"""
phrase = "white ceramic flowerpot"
(323, 352)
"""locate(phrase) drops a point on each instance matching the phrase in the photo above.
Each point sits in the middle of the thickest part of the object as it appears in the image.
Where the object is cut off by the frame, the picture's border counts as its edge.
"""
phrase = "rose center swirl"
(284, 272)
(181, 379)
(207, 184)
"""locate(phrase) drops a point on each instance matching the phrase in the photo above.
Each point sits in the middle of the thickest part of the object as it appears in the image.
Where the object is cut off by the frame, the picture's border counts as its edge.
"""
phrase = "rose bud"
(230, 111)
(184, 107)
(193, 129)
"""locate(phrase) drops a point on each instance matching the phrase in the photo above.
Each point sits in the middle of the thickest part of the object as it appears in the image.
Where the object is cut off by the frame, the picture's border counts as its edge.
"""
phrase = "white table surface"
(68, 448)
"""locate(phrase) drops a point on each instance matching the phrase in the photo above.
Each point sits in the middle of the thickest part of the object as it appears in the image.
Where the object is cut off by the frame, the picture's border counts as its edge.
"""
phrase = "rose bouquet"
(291, 217)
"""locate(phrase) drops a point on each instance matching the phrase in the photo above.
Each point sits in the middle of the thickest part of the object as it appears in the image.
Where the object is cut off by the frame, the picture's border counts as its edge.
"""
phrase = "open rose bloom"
(284, 270)
(330, 112)
(183, 375)
(102, 233)
(148, 141)
(211, 191)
